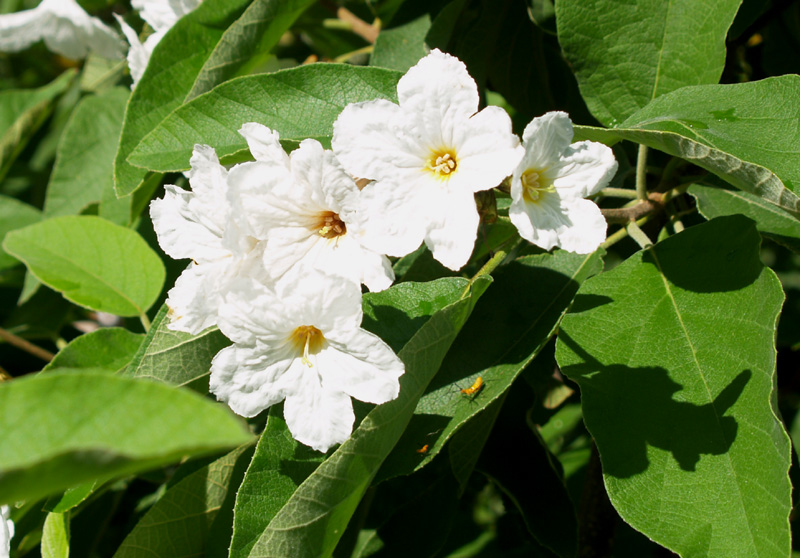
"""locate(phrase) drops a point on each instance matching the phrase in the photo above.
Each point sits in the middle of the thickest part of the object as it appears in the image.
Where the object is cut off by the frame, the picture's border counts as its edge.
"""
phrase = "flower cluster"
(281, 245)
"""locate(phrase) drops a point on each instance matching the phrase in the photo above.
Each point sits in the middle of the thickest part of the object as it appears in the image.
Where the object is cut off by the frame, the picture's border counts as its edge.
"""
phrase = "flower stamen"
(442, 163)
(534, 185)
(309, 339)
(329, 225)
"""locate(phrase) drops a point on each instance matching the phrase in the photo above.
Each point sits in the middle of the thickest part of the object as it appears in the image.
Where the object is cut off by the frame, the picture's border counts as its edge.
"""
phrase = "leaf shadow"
(643, 407)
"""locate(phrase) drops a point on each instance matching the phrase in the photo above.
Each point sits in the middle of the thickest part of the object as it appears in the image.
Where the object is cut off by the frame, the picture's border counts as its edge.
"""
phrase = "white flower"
(65, 28)
(548, 186)
(427, 156)
(301, 341)
(199, 224)
(161, 15)
(6, 531)
(303, 206)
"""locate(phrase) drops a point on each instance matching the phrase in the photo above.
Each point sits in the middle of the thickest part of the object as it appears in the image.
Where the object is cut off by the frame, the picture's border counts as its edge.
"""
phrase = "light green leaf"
(58, 430)
(14, 214)
(745, 133)
(401, 47)
(92, 262)
(182, 521)
(108, 348)
(83, 171)
(71, 498)
(209, 44)
(498, 354)
(22, 112)
(626, 54)
(336, 487)
(771, 220)
(279, 466)
(55, 536)
(175, 357)
(303, 103)
(675, 357)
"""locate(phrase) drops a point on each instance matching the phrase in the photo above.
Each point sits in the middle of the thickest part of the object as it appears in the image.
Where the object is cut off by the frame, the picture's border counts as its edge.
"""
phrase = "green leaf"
(279, 466)
(497, 355)
(83, 172)
(627, 54)
(401, 47)
(71, 497)
(14, 215)
(336, 487)
(175, 357)
(92, 262)
(58, 430)
(108, 348)
(744, 133)
(675, 357)
(209, 44)
(303, 102)
(771, 220)
(182, 521)
(55, 536)
(22, 112)
(258, 29)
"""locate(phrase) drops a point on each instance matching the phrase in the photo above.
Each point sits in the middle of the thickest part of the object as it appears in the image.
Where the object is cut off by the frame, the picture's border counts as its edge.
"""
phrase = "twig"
(358, 26)
(26, 346)
(641, 173)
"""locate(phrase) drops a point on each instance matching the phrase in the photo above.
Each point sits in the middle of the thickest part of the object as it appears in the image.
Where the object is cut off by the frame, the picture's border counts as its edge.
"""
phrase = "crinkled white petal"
(361, 365)
(195, 299)
(454, 228)
(393, 216)
(65, 28)
(250, 379)
(6, 531)
(163, 14)
(264, 144)
(438, 89)
(182, 233)
(139, 53)
(584, 169)
(328, 302)
(576, 225)
(317, 416)
(252, 311)
(487, 151)
(259, 192)
(545, 139)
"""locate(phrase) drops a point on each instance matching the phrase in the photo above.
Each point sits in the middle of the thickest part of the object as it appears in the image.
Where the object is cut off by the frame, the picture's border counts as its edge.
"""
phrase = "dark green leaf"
(14, 215)
(108, 348)
(675, 357)
(401, 47)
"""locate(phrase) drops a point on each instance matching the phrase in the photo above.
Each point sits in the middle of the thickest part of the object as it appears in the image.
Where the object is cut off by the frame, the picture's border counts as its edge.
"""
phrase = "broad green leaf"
(280, 464)
(675, 357)
(175, 357)
(108, 348)
(745, 133)
(58, 430)
(771, 220)
(182, 521)
(22, 112)
(498, 354)
(14, 214)
(258, 29)
(301, 530)
(83, 172)
(55, 536)
(401, 47)
(626, 54)
(303, 102)
(92, 262)
(71, 497)
(209, 44)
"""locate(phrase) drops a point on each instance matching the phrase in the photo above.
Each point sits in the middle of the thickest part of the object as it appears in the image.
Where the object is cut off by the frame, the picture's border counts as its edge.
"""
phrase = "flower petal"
(318, 416)
(545, 138)
(72, 32)
(251, 312)
(585, 168)
(361, 365)
(453, 229)
(263, 143)
(588, 230)
(195, 299)
(249, 379)
(163, 14)
(20, 30)
(138, 53)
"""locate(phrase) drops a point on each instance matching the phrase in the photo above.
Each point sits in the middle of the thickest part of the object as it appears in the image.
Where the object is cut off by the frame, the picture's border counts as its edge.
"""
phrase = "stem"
(145, 321)
(488, 267)
(26, 346)
(358, 26)
(619, 193)
(641, 173)
(638, 235)
(622, 233)
(348, 55)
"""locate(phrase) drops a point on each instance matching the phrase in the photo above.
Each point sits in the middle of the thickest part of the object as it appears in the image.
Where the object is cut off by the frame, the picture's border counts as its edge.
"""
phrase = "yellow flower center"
(535, 185)
(308, 339)
(329, 225)
(442, 163)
